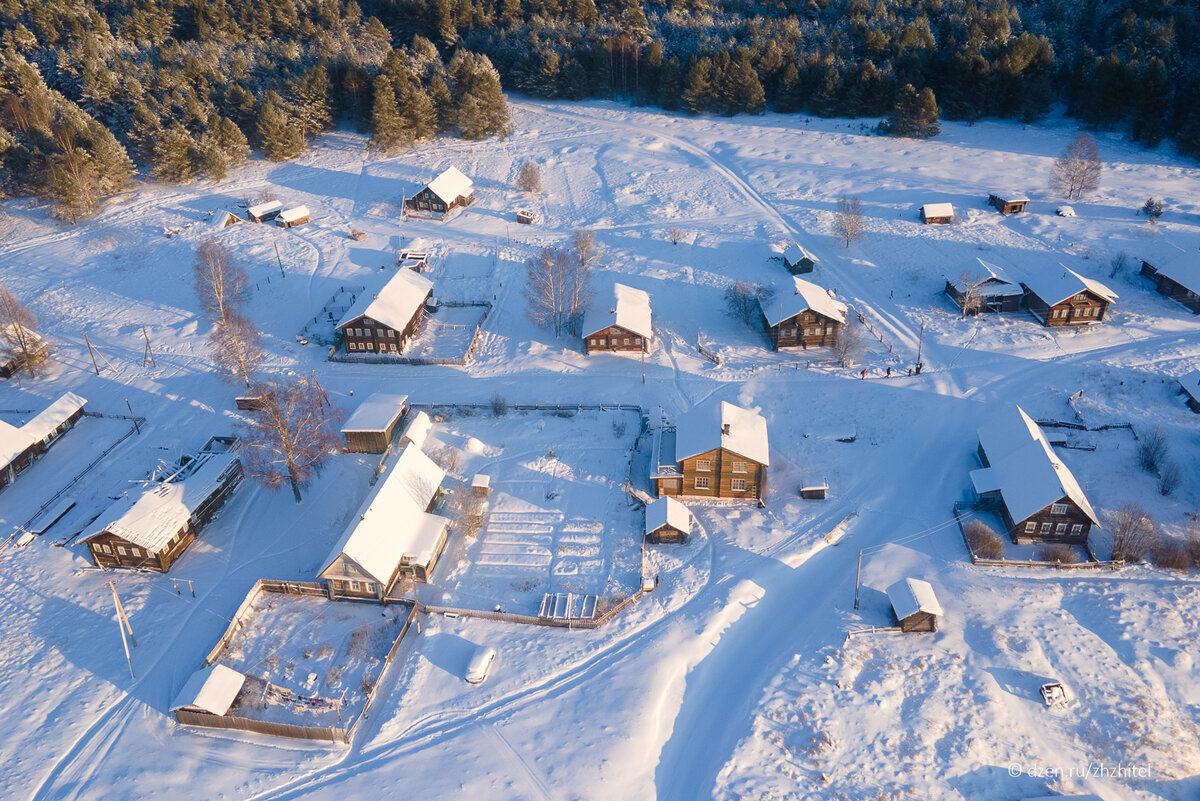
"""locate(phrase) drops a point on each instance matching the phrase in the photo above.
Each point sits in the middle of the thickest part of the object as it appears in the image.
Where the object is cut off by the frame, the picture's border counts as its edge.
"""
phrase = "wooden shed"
(209, 691)
(1189, 387)
(667, 520)
(369, 428)
(798, 260)
(1180, 282)
(914, 604)
(525, 217)
(264, 212)
(21, 446)
(292, 217)
(937, 213)
(1008, 202)
(481, 485)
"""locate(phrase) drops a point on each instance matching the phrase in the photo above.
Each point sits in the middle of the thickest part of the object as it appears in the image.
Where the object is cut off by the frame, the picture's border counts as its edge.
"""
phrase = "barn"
(394, 534)
(808, 317)
(715, 451)
(20, 446)
(383, 323)
(1189, 387)
(1008, 202)
(264, 212)
(224, 219)
(1178, 281)
(626, 324)
(1066, 298)
(208, 691)
(152, 530)
(1025, 481)
(985, 288)
(667, 520)
(914, 604)
(798, 260)
(290, 218)
(937, 213)
(369, 428)
(449, 191)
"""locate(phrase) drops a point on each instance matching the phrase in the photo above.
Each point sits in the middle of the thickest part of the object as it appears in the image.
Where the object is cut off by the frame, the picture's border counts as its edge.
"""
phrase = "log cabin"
(394, 534)
(914, 605)
(808, 317)
(937, 213)
(264, 212)
(1008, 203)
(1179, 282)
(1066, 298)
(623, 325)
(290, 218)
(1189, 388)
(369, 429)
(449, 191)
(21, 446)
(667, 520)
(1025, 481)
(985, 288)
(383, 323)
(151, 531)
(798, 260)
(714, 451)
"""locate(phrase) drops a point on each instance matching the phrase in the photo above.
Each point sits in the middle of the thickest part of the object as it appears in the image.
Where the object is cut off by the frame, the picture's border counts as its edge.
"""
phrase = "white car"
(477, 670)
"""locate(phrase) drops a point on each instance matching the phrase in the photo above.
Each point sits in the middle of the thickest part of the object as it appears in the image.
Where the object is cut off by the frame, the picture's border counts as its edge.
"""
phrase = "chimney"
(725, 429)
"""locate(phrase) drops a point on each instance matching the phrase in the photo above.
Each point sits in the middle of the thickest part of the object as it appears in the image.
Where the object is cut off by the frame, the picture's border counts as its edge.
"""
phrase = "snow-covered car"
(1065, 211)
(478, 668)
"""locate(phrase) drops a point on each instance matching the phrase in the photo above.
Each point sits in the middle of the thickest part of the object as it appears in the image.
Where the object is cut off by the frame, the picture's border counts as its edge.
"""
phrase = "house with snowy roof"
(385, 321)
(1189, 388)
(807, 317)
(369, 427)
(209, 692)
(622, 324)
(798, 260)
(1065, 297)
(150, 530)
(20, 446)
(395, 533)
(914, 604)
(1008, 202)
(985, 287)
(1025, 481)
(667, 520)
(1177, 278)
(449, 191)
(714, 451)
(937, 213)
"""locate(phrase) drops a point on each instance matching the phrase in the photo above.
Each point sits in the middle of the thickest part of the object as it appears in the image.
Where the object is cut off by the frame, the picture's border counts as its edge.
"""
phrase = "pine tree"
(388, 131)
(310, 99)
(176, 157)
(232, 142)
(787, 97)
(742, 90)
(698, 88)
(279, 138)
(443, 103)
(417, 111)
(915, 114)
(670, 84)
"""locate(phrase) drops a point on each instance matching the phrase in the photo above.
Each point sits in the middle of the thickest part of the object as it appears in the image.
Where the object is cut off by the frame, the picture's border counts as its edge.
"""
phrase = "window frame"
(706, 485)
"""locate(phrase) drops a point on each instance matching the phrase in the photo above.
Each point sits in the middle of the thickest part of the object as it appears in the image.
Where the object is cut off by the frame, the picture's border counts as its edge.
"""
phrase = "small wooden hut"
(525, 217)
(1008, 203)
(264, 212)
(209, 691)
(798, 260)
(667, 520)
(1180, 282)
(937, 213)
(290, 218)
(914, 604)
(369, 429)
(481, 485)
(1189, 387)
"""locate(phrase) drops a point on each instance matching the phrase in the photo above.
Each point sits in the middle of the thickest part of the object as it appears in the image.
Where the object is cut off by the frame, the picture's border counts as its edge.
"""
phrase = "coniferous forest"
(89, 90)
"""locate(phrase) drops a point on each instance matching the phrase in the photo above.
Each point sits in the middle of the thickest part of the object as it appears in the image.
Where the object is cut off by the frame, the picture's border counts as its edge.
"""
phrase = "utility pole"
(280, 260)
(123, 626)
(920, 347)
(149, 354)
(857, 579)
(643, 360)
(91, 353)
(133, 417)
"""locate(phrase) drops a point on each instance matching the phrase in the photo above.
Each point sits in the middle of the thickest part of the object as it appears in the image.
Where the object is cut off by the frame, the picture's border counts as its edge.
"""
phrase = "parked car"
(480, 664)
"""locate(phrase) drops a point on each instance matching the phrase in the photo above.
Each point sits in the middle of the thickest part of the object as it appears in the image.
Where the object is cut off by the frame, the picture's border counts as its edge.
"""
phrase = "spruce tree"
(742, 87)
(310, 99)
(176, 157)
(232, 142)
(443, 103)
(418, 112)
(279, 139)
(915, 114)
(698, 88)
(388, 131)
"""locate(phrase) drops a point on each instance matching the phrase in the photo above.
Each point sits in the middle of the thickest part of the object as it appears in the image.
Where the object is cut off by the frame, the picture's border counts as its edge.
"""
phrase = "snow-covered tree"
(236, 348)
(1078, 169)
(220, 282)
(19, 340)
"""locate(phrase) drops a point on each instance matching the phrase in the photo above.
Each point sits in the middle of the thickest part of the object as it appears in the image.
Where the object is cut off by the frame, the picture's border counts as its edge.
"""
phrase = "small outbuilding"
(1189, 387)
(914, 604)
(264, 212)
(1177, 281)
(449, 191)
(292, 217)
(369, 428)
(623, 326)
(208, 691)
(481, 485)
(937, 213)
(417, 430)
(667, 520)
(798, 260)
(525, 217)
(1008, 202)
(224, 219)
(20, 446)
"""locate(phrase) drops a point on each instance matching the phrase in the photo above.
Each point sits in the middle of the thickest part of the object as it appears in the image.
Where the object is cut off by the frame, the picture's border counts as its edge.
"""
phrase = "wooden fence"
(534, 620)
(706, 353)
(961, 512)
(311, 588)
(331, 733)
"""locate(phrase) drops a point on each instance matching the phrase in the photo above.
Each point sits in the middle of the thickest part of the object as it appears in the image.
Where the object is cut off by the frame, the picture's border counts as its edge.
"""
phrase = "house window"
(670, 484)
(1030, 527)
(626, 340)
(592, 342)
(702, 482)
(789, 332)
(391, 333)
(737, 484)
(1045, 529)
(369, 332)
(739, 467)
(1060, 529)
(1077, 528)
(370, 346)
(121, 551)
(369, 586)
(104, 548)
(354, 586)
(351, 346)
(136, 551)
(1058, 509)
(703, 466)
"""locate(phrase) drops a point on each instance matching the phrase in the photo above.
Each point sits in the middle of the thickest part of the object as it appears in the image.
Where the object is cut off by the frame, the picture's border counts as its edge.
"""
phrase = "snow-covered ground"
(735, 678)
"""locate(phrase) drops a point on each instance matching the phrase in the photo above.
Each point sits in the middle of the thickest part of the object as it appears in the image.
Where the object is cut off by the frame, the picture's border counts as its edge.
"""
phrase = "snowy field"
(735, 678)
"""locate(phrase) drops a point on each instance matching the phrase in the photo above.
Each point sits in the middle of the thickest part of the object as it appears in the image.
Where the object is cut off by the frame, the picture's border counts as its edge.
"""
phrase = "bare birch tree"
(236, 348)
(970, 295)
(850, 341)
(743, 300)
(848, 220)
(1078, 169)
(291, 436)
(19, 340)
(221, 284)
(558, 290)
(583, 242)
(468, 511)
(579, 291)
(1132, 532)
(529, 178)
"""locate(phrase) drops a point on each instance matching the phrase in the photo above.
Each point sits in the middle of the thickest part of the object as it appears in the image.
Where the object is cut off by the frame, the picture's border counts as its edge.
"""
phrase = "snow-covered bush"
(983, 541)
(1059, 554)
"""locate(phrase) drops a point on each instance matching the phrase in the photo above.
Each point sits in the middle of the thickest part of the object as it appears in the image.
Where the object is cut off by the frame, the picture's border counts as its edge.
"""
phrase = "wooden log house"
(798, 260)
(450, 190)
(369, 429)
(667, 520)
(937, 213)
(290, 218)
(1027, 484)
(714, 451)
(1177, 281)
(1189, 388)
(21, 446)
(394, 534)
(808, 317)
(914, 605)
(151, 531)
(383, 323)
(1066, 298)
(264, 212)
(624, 326)
(986, 288)
(1008, 203)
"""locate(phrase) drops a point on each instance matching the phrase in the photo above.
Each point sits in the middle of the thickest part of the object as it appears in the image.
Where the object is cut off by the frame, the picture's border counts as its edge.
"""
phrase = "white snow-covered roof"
(1025, 469)
(394, 524)
(795, 253)
(1191, 384)
(222, 219)
(417, 429)
(264, 208)
(937, 210)
(806, 296)
(1012, 197)
(211, 689)
(1054, 287)
(630, 309)
(702, 430)
(481, 480)
(291, 215)
(668, 512)
(15, 439)
(395, 305)
(1184, 272)
(151, 519)
(377, 413)
(910, 596)
(451, 185)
